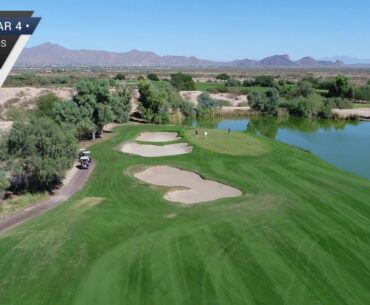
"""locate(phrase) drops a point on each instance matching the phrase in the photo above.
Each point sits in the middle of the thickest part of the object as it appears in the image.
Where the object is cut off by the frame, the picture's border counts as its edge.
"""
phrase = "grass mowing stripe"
(297, 235)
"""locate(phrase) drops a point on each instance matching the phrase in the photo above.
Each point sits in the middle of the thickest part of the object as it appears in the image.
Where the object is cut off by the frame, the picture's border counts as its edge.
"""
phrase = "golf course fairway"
(298, 235)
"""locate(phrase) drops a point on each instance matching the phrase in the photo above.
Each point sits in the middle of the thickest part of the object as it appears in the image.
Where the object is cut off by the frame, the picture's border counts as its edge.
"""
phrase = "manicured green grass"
(300, 234)
(235, 143)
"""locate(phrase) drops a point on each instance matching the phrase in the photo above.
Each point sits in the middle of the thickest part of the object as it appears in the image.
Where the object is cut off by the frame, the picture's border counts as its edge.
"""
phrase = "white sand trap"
(147, 150)
(158, 137)
(196, 188)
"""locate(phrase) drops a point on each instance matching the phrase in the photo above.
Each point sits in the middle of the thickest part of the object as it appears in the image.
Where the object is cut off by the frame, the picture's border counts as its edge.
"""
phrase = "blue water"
(341, 143)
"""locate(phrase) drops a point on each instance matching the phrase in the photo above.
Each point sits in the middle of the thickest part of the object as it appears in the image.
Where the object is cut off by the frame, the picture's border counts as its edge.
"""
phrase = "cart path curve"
(62, 195)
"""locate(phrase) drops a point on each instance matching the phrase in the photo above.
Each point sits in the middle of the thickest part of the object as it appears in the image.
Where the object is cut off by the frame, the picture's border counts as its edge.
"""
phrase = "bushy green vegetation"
(310, 97)
(362, 93)
(182, 81)
(120, 76)
(264, 81)
(153, 77)
(37, 152)
(231, 82)
(158, 101)
(265, 103)
(28, 79)
(42, 144)
(154, 106)
(299, 234)
(207, 107)
(94, 105)
(4, 184)
(213, 87)
(222, 76)
(340, 87)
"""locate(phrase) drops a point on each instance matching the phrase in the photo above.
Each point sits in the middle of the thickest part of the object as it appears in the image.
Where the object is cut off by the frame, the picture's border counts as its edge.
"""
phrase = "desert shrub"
(154, 106)
(39, 151)
(207, 107)
(222, 76)
(232, 83)
(362, 93)
(4, 183)
(45, 104)
(153, 77)
(304, 88)
(248, 83)
(120, 76)
(340, 87)
(266, 103)
(11, 102)
(243, 104)
(223, 103)
(182, 81)
(315, 82)
(264, 81)
(218, 89)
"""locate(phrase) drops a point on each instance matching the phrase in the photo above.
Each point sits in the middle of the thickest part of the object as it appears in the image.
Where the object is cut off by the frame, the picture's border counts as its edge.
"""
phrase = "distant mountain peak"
(50, 54)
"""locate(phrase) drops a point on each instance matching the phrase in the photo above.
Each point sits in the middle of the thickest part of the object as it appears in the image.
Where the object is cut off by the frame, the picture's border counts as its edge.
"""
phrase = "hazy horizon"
(208, 29)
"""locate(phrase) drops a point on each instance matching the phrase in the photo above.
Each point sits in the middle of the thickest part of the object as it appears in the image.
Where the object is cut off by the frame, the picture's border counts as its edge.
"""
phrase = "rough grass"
(10, 206)
(300, 234)
(361, 105)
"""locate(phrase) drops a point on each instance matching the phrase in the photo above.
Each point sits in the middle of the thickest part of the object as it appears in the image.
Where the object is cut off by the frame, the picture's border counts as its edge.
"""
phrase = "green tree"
(121, 106)
(207, 107)
(103, 115)
(153, 77)
(39, 152)
(232, 83)
(267, 103)
(120, 76)
(182, 81)
(315, 82)
(362, 93)
(4, 184)
(308, 107)
(304, 88)
(154, 106)
(100, 103)
(340, 87)
(222, 76)
(264, 81)
(45, 104)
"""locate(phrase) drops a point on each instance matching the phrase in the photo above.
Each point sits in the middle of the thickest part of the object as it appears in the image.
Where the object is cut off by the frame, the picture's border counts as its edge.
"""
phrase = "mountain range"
(49, 54)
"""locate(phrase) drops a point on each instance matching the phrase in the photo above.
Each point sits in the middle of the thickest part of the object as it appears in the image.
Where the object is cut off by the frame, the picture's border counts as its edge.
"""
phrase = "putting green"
(299, 234)
(235, 143)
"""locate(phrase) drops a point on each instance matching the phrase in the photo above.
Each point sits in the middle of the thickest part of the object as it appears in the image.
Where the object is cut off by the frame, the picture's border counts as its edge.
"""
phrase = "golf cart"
(84, 162)
(85, 153)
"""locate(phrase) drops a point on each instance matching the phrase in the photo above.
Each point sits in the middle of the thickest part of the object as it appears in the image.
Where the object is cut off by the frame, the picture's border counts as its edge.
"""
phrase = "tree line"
(42, 144)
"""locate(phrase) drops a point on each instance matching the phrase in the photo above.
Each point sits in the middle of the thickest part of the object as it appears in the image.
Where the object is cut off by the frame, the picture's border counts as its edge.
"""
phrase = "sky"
(208, 29)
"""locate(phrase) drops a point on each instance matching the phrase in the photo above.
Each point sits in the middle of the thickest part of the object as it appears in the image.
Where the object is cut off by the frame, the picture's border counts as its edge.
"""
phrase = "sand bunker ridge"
(148, 150)
(196, 189)
(157, 137)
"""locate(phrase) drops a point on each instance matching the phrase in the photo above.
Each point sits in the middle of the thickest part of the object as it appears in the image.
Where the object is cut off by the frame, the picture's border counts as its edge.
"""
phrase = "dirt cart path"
(62, 195)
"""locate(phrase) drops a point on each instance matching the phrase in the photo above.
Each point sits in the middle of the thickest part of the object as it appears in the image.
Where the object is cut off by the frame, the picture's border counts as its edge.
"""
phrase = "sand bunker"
(147, 150)
(196, 189)
(158, 137)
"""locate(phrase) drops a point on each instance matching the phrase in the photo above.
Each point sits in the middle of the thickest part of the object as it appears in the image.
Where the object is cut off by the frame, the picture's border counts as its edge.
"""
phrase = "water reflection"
(345, 144)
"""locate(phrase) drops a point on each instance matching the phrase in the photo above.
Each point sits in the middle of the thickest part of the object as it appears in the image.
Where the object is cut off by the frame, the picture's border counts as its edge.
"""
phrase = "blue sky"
(212, 29)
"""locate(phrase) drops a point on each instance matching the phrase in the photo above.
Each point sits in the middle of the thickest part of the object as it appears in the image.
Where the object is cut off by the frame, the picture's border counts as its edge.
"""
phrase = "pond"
(345, 144)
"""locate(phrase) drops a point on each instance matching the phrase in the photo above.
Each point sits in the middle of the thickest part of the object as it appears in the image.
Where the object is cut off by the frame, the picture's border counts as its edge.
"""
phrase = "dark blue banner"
(18, 26)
